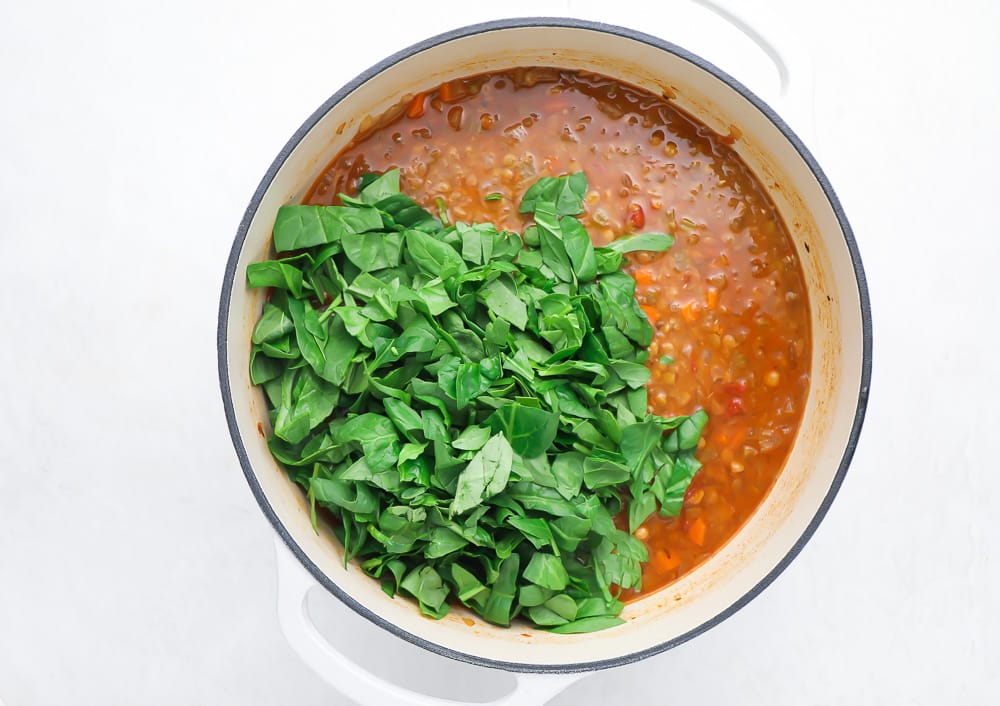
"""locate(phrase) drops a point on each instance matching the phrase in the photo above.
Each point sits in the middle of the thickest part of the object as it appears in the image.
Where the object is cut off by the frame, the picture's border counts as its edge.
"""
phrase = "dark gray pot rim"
(561, 22)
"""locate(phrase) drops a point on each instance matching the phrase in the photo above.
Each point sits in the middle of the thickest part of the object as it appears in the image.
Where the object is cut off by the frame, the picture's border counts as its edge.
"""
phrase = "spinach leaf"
(581, 253)
(274, 273)
(565, 193)
(297, 227)
(373, 251)
(547, 571)
(485, 476)
(433, 256)
(529, 430)
(501, 600)
(591, 624)
(656, 242)
(274, 323)
(500, 296)
(554, 255)
(426, 586)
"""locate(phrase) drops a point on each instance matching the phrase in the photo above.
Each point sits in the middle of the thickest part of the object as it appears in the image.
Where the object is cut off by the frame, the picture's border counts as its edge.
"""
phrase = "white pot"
(785, 520)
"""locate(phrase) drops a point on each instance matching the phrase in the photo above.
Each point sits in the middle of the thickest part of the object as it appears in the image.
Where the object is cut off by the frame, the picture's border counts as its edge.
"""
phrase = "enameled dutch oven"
(787, 517)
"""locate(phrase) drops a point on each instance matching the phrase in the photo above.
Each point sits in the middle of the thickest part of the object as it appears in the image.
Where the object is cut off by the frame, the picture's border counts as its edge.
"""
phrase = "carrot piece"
(416, 107)
(643, 276)
(696, 532)
(689, 312)
(651, 313)
(448, 92)
(663, 562)
(712, 298)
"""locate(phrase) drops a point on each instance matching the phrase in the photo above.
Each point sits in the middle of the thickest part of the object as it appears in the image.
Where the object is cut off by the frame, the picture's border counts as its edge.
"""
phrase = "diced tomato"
(735, 388)
(636, 216)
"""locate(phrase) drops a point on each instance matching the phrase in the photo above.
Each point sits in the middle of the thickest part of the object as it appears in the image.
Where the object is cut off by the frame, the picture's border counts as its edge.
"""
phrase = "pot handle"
(792, 59)
(756, 20)
(347, 677)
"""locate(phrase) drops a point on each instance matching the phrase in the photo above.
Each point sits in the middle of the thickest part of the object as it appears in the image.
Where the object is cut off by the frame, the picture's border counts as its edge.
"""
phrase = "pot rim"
(369, 74)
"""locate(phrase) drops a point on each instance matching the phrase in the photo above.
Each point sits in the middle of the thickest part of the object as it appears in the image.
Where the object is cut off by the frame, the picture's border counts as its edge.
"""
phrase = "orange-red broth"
(728, 301)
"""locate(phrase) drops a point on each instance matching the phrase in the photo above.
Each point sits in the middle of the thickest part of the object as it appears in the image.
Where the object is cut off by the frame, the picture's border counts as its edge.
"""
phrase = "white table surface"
(135, 566)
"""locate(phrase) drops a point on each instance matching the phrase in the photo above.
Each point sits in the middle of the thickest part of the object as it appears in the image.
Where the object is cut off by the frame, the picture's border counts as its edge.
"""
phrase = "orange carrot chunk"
(448, 92)
(643, 276)
(651, 313)
(663, 562)
(416, 107)
(696, 532)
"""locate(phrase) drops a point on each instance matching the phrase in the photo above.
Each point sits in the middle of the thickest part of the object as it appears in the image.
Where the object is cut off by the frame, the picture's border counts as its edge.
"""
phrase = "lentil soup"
(727, 302)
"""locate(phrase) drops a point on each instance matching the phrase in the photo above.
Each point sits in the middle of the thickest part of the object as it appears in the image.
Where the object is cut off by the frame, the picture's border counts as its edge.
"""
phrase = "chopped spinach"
(469, 403)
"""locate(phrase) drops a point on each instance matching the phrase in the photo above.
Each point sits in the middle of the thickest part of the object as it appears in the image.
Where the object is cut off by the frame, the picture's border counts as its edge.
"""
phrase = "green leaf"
(565, 193)
(277, 274)
(536, 530)
(338, 353)
(443, 541)
(297, 227)
(433, 256)
(485, 476)
(310, 334)
(530, 431)
(472, 438)
(467, 586)
(531, 595)
(641, 505)
(543, 616)
(498, 606)
(688, 433)
(554, 254)
(656, 242)
(358, 498)
(567, 468)
(273, 324)
(426, 586)
(403, 416)
(603, 473)
(547, 571)
(434, 296)
(576, 240)
(378, 187)
(373, 251)
(563, 606)
(592, 624)
(671, 484)
(500, 296)
(376, 435)
(305, 402)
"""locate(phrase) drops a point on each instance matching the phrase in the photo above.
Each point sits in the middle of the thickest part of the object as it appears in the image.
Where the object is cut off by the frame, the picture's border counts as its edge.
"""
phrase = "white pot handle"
(688, 23)
(792, 59)
(347, 677)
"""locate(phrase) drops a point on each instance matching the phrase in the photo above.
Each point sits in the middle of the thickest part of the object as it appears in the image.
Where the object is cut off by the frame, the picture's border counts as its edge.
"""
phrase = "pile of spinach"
(469, 403)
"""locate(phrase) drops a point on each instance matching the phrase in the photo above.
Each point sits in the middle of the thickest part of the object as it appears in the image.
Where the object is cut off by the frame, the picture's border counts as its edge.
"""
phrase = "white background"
(135, 566)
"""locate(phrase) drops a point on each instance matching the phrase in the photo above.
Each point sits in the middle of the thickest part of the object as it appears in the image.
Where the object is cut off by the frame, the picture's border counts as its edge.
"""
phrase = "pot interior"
(830, 423)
